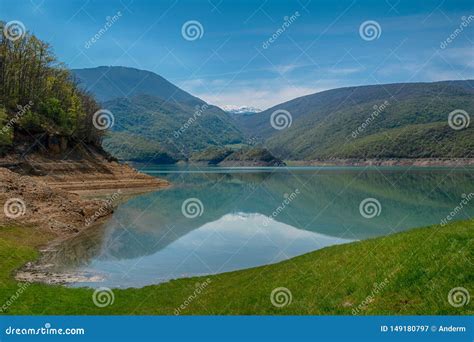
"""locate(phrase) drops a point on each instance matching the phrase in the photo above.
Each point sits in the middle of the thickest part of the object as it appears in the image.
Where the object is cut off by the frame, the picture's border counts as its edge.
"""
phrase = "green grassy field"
(405, 273)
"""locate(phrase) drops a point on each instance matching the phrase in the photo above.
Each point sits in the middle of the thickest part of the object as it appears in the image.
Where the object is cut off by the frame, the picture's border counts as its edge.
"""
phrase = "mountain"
(112, 82)
(242, 110)
(406, 120)
(154, 119)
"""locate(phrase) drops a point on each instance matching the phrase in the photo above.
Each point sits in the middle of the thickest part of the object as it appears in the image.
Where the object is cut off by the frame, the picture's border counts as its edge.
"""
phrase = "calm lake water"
(256, 216)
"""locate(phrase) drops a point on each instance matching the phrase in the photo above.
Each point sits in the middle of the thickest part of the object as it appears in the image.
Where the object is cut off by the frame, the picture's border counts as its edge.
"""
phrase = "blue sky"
(320, 49)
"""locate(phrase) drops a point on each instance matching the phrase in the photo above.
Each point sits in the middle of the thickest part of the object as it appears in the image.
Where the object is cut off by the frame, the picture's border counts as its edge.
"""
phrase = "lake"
(213, 220)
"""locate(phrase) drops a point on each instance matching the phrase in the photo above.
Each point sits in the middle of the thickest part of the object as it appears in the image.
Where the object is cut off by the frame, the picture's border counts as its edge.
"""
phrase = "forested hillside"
(408, 120)
(39, 102)
(151, 128)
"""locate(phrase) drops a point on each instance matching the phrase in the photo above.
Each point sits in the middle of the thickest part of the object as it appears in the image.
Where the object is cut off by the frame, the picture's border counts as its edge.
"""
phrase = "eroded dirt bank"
(30, 201)
(44, 189)
(80, 169)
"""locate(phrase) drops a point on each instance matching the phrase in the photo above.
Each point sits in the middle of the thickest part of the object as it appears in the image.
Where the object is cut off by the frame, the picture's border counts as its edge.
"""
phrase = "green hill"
(155, 120)
(242, 156)
(407, 120)
(149, 125)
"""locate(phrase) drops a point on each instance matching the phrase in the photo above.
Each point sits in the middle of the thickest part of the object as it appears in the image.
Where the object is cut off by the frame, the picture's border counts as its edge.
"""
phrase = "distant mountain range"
(156, 120)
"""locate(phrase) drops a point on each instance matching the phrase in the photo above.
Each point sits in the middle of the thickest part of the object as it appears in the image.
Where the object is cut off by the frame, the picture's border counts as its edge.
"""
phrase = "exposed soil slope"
(40, 185)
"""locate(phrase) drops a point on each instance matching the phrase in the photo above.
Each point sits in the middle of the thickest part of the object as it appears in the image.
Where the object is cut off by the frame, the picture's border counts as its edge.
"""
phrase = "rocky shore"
(90, 173)
(28, 201)
(64, 193)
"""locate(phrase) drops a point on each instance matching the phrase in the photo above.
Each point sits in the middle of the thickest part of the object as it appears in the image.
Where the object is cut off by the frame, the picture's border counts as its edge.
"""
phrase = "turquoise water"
(256, 216)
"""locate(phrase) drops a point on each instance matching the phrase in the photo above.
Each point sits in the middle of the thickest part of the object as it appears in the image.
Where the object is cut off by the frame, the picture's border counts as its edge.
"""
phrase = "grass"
(409, 273)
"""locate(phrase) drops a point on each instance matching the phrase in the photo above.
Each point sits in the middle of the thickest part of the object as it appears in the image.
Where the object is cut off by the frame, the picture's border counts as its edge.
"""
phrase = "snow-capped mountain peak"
(241, 109)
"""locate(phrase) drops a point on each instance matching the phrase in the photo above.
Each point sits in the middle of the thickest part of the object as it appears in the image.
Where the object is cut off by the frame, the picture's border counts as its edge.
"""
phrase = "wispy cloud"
(345, 71)
(259, 93)
(260, 98)
(455, 63)
(459, 56)
(285, 68)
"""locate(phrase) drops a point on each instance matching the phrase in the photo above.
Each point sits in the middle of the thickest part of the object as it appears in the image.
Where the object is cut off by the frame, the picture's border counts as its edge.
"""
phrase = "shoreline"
(41, 270)
(420, 162)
